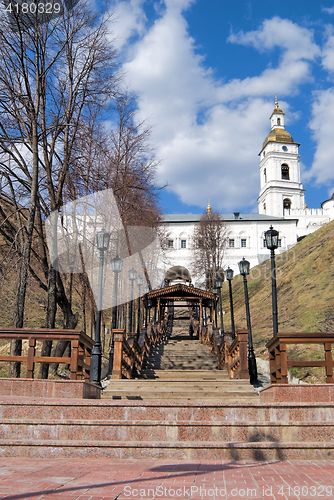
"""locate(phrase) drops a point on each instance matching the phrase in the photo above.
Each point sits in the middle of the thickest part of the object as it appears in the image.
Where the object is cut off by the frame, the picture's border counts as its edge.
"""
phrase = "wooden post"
(283, 364)
(200, 319)
(30, 358)
(159, 311)
(81, 360)
(118, 353)
(74, 359)
(86, 360)
(328, 362)
(243, 353)
(278, 363)
(272, 365)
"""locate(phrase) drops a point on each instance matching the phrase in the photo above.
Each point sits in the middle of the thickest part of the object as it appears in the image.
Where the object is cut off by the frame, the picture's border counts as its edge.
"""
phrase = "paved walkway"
(89, 479)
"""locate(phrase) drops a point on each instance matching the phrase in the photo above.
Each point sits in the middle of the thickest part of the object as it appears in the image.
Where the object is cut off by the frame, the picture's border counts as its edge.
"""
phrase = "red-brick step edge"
(38, 388)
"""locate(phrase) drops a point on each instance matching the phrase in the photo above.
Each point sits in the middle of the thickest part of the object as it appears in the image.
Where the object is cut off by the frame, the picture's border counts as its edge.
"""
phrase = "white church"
(281, 203)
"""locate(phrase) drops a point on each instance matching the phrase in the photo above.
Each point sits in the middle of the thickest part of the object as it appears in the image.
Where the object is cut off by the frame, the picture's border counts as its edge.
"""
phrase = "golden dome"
(209, 209)
(279, 135)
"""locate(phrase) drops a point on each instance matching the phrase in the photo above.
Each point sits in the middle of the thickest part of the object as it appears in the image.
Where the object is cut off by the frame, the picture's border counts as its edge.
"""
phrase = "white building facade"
(281, 203)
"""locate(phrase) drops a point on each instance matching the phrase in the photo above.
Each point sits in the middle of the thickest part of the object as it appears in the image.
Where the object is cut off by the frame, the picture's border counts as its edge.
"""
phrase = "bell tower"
(281, 189)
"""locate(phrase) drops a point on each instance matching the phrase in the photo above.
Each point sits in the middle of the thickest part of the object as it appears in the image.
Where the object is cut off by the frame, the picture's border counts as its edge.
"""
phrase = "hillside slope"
(305, 282)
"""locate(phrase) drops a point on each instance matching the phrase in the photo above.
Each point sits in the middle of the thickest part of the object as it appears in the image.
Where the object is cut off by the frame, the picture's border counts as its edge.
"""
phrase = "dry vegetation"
(305, 276)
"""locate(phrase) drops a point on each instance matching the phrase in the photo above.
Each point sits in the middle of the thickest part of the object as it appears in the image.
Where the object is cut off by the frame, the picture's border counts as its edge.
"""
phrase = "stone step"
(191, 411)
(141, 395)
(162, 375)
(101, 430)
(166, 429)
(217, 450)
(200, 373)
(180, 387)
(178, 384)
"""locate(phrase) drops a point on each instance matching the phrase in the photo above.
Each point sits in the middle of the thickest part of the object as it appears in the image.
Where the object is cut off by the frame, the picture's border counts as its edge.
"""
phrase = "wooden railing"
(236, 355)
(205, 334)
(280, 362)
(78, 360)
(129, 354)
(230, 353)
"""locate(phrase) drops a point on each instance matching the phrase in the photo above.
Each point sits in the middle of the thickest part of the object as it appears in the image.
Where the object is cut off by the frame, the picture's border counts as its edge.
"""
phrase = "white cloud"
(328, 10)
(322, 128)
(328, 53)
(298, 48)
(277, 32)
(128, 19)
(207, 133)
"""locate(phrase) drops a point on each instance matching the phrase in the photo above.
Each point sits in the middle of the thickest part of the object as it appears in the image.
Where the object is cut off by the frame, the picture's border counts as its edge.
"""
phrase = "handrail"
(280, 362)
(130, 353)
(230, 353)
(236, 356)
(211, 336)
(80, 349)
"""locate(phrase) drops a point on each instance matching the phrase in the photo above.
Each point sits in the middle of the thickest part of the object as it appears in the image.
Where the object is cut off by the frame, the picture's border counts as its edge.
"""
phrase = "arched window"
(265, 175)
(278, 121)
(287, 204)
(285, 172)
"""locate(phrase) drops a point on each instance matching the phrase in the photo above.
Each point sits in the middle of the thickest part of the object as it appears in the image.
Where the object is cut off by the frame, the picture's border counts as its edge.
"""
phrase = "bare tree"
(209, 242)
(53, 75)
(120, 159)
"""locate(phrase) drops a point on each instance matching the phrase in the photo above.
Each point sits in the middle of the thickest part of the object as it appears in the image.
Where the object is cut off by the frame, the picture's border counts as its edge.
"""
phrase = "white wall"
(252, 231)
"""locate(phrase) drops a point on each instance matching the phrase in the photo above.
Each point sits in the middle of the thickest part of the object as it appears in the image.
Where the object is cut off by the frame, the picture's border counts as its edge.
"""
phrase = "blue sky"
(205, 73)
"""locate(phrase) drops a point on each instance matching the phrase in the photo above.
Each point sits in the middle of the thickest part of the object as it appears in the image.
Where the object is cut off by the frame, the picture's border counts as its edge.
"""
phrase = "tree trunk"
(15, 369)
(50, 318)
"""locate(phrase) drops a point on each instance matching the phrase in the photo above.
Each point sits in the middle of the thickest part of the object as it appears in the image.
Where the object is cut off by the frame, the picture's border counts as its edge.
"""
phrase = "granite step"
(166, 429)
(177, 432)
(163, 410)
(217, 450)
(141, 396)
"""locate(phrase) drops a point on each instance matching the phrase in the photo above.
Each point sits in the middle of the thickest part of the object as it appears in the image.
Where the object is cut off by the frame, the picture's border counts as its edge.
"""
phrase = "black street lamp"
(244, 267)
(215, 292)
(140, 283)
(116, 267)
(148, 311)
(271, 237)
(229, 276)
(219, 283)
(102, 243)
(132, 278)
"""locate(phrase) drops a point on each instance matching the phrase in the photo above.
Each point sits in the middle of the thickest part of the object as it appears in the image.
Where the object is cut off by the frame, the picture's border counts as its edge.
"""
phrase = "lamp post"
(271, 237)
(148, 311)
(215, 292)
(244, 267)
(140, 283)
(116, 267)
(229, 276)
(132, 278)
(102, 243)
(219, 283)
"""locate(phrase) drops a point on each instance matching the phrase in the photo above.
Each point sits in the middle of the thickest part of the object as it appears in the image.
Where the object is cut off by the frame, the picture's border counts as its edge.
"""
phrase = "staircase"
(182, 409)
(175, 429)
(181, 368)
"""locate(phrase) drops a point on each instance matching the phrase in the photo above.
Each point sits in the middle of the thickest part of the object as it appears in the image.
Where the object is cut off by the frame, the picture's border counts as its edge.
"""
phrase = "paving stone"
(105, 478)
